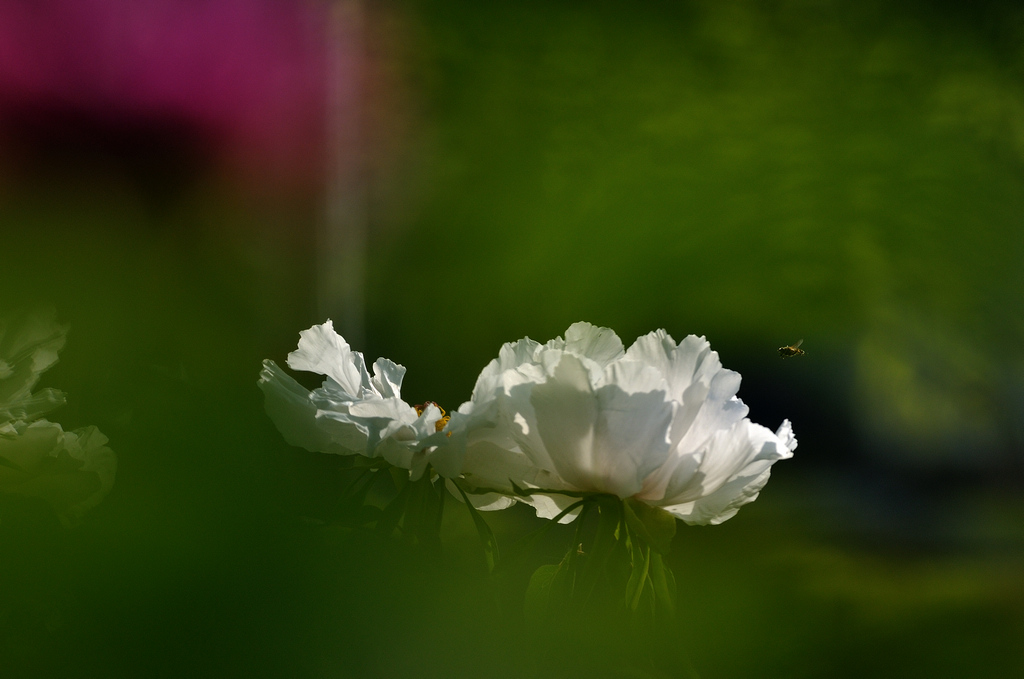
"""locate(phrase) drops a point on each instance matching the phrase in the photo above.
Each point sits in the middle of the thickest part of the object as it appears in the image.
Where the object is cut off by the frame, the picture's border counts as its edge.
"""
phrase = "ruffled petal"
(731, 472)
(387, 378)
(29, 345)
(89, 446)
(352, 412)
(323, 351)
(660, 422)
(293, 411)
(723, 504)
(22, 452)
(31, 406)
(598, 344)
(72, 471)
(786, 436)
(656, 350)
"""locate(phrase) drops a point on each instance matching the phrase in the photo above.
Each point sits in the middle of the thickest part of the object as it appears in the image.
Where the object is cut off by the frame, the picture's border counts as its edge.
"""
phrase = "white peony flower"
(354, 412)
(659, 423)
(73, 470)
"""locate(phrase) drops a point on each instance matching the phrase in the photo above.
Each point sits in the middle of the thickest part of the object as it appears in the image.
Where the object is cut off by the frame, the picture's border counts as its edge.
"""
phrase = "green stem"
(490, 544)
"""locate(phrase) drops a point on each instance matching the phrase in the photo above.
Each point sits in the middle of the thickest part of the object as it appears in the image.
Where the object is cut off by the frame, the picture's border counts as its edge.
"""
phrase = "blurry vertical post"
(341, 246)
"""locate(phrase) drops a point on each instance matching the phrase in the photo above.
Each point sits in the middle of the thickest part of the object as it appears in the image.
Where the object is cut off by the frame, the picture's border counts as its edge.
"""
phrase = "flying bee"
(792, 350)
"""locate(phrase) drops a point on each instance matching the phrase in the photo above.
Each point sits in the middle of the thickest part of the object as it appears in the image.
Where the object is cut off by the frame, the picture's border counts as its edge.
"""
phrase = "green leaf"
(440, 493)
(4, 462)
(367, 514)
(427, 521)
(354, 496)
(605, 540)
(638, 578)
(653, 525)
(399, 476)
(490, 544)
(357, 479)
(421, 520)
(392, 513)
(524, 546)
(664, 592)
(670, 578)
(363, 462)
(572, 569)
(539, 592)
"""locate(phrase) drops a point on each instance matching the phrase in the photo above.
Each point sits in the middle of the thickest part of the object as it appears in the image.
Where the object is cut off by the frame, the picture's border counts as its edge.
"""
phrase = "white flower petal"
(323, 351)
(354, 413)
(735, 451)
(657, 350)
(723, 503)
(634, 377)
(292, 410)
(550, 506)
(492, 466)
(660, 422)
(514, 354)
(707, 409)
(393, 409)
(387, 378)
(485, 502)
(786, 436)
(632, 436)
(369, 423)
(519, 419)
(565, 411)
(397, 453)
(598, 344)
(730, 468)
(605, 441)
(446, 452)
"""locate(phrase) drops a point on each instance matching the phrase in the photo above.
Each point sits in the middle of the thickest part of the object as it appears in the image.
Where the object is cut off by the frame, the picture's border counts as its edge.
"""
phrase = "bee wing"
(797, 345)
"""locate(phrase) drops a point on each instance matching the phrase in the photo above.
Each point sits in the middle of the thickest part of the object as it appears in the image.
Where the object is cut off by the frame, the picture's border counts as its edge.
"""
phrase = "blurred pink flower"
(250, 74)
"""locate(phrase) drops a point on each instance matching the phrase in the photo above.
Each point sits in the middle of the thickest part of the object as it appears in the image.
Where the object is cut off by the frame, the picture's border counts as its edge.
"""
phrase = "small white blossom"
(659, 422)
(72, 470)
(354, 412)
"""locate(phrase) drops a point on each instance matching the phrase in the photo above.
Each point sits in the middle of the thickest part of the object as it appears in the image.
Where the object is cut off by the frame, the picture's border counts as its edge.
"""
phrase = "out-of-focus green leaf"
(4, 462)
(539, 592)
(368, 514)
(664, 592)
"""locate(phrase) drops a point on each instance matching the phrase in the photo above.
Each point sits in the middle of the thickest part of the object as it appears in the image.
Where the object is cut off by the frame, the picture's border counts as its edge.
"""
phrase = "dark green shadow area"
(846, 173)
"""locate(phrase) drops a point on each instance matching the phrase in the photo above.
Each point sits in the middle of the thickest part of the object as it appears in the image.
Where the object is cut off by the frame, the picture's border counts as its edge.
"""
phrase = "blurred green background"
(849, 173)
